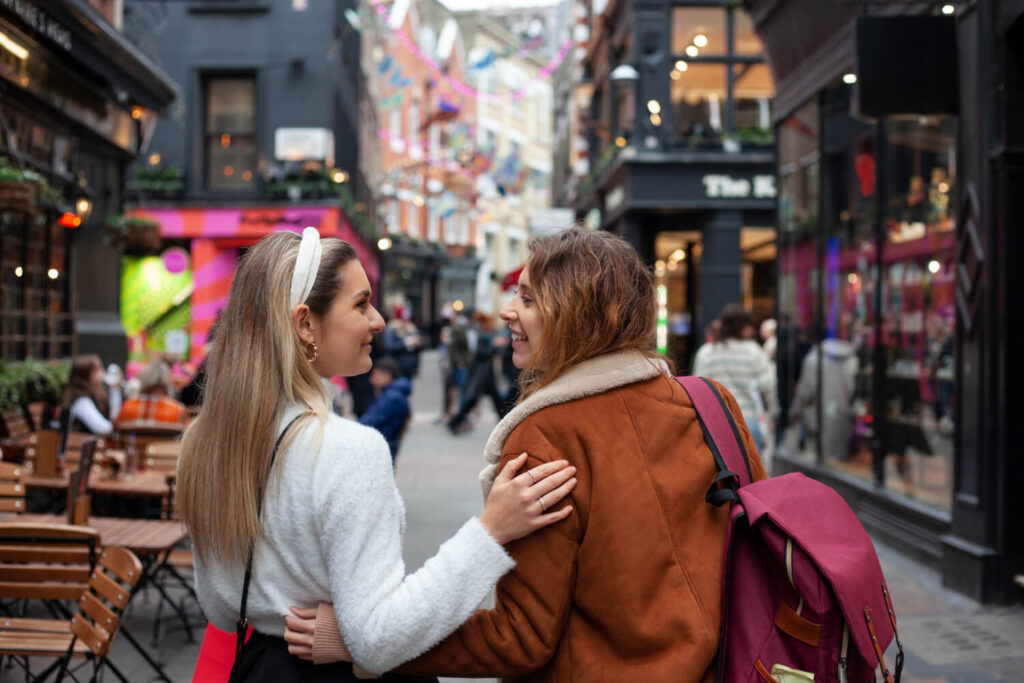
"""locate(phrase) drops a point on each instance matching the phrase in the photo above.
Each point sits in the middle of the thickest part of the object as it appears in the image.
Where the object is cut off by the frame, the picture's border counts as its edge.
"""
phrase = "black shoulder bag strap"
(243, 623)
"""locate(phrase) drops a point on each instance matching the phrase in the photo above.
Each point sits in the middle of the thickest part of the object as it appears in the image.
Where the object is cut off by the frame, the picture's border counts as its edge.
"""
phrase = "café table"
(150, 539)
(145, 484)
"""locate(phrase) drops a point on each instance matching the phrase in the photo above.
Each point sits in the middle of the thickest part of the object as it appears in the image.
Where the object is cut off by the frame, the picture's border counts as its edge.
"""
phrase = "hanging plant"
(134, 232)
(24, 190)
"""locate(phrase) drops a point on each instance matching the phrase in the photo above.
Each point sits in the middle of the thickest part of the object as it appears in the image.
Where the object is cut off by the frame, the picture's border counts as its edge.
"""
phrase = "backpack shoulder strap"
(722, 436)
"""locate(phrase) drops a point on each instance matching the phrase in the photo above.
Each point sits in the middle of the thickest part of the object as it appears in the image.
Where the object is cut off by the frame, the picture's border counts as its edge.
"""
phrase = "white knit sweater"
(332, 532)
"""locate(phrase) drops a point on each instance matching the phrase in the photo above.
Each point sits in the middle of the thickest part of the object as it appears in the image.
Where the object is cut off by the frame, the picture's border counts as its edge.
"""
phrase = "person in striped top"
(736, 360)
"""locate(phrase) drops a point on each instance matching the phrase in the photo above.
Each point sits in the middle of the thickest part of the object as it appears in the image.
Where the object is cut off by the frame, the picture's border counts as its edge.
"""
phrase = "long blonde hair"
(595, 296)
(256, 369)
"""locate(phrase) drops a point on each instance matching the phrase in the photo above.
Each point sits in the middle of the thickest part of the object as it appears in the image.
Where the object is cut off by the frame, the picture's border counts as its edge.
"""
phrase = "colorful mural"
(154, 301)
(218, 234)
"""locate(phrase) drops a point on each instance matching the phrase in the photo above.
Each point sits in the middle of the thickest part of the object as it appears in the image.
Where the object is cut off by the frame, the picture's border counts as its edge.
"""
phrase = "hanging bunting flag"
(384, 66)
(446, 204)
(487, 60)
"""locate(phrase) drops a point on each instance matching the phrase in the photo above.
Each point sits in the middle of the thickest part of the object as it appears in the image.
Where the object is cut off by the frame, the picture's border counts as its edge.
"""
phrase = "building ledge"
(226, 8)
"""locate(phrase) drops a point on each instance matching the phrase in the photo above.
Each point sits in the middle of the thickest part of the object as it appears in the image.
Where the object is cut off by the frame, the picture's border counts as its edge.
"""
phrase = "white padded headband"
(306, 266)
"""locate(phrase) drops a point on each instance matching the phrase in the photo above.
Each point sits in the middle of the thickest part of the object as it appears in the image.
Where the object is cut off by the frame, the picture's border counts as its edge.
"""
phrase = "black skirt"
(266, 658)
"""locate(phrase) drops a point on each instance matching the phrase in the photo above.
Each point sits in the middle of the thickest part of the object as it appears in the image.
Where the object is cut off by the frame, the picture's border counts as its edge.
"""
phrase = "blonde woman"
(322, 521)
(630, 587)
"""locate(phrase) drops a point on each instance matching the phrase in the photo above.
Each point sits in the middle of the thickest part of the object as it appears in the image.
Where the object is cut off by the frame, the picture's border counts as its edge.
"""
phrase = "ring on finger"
(543, 508)
(532, 480)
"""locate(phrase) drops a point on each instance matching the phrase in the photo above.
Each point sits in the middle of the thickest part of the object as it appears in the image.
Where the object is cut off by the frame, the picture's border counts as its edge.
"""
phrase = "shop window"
(709, 109)
(866, 297)
(676, 273)
(753, 92)
(918, 317)
(413, 226)
(230, 132)
(698, 103)
(745, 38)
(433, 225)
(35, 317)
(394, 216)
(699, 31)
(798, 150)
(414, 124)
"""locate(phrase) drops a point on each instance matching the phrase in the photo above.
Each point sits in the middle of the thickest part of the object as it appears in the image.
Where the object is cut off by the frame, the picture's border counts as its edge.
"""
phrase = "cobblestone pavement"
(948, 638)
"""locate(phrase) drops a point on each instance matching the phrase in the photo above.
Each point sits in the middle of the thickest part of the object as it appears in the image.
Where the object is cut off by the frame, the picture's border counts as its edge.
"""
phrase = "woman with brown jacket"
(628, 588)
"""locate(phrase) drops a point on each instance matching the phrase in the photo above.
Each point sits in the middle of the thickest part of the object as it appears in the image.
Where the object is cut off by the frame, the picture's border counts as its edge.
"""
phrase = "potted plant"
(134, 232)
(22, 190)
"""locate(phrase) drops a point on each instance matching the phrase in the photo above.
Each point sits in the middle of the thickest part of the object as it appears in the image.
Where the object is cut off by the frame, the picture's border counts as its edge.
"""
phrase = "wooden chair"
(162, 456)
(49, 562)
(12, 491)
(22, 442)
(89, 632)
(148, 431)
(73, 447)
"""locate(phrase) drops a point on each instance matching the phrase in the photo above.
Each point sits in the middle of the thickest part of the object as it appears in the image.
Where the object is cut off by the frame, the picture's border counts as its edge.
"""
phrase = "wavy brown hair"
(257, 367)
(80, 381)
(595, 296)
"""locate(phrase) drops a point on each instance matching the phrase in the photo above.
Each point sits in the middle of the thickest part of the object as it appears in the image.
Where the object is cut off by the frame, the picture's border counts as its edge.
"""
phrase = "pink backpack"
(804, 597)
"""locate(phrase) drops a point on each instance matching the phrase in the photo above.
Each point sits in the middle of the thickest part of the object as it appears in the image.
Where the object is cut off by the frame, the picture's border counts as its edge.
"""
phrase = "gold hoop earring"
(315, 353)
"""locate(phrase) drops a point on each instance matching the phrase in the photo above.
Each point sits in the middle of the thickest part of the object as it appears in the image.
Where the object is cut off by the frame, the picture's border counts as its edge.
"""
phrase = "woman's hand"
(299, 631)
(518, 504)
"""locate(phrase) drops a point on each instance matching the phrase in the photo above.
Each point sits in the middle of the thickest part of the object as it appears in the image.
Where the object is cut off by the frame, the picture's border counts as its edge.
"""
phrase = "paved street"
(948, 638)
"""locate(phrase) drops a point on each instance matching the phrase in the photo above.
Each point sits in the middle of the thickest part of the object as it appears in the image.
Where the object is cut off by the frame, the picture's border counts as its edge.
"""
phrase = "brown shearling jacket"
(628, 587)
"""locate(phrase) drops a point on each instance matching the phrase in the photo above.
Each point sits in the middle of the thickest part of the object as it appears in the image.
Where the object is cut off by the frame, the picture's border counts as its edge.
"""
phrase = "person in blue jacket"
(389, 412)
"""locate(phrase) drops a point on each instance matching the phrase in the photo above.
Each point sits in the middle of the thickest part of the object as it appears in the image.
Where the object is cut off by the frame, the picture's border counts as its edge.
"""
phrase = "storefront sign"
(726, 187)
(39, 21)
(304, 144)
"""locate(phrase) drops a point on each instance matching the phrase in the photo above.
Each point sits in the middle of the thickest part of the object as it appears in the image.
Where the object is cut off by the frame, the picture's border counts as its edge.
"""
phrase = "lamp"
(83, 204)
(624, 73)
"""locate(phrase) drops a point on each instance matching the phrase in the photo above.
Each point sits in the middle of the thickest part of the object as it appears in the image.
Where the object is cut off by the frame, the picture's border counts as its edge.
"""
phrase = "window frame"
(206, 77)
(730, 59)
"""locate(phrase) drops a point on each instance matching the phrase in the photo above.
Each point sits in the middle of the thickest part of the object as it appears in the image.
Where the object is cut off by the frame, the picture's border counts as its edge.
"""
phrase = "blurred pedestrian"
(481, 381)
(460, 357)
(741, 365)
(403, 342)
(390, 410)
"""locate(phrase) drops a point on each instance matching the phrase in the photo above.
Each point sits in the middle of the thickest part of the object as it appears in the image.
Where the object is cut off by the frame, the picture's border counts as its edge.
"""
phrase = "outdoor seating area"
(69, 576)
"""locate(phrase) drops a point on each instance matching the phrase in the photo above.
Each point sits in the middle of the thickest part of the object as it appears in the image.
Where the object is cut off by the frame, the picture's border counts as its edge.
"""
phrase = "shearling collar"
(593, 376)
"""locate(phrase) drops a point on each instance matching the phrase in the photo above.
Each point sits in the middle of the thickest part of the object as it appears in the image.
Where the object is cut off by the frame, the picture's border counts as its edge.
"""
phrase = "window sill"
(229, 7)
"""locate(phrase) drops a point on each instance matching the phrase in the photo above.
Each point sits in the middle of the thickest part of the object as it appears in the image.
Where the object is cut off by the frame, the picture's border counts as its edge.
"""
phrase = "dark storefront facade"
(681, 157)
(76, 103)
(896, 236)
(266, 138)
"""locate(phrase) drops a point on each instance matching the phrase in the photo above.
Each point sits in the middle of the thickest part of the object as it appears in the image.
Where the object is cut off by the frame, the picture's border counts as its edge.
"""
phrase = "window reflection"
(918, 308)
